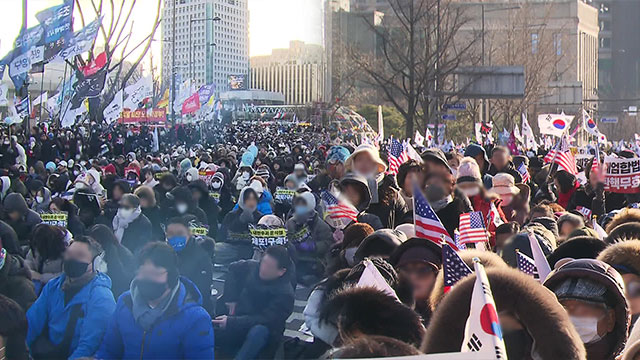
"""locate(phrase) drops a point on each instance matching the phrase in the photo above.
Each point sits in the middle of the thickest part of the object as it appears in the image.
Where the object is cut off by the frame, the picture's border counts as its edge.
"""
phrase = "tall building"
(344, 29)
(562, 33)
(296, 72)
(212, 41)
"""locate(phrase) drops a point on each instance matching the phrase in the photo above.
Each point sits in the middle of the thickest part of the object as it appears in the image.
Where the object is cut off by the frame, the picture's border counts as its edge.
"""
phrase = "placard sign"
(55, 218)
(622, 175)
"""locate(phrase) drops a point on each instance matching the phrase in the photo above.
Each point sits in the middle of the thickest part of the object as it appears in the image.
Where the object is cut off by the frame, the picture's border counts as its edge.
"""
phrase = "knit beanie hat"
(469, 171)
(355, 233)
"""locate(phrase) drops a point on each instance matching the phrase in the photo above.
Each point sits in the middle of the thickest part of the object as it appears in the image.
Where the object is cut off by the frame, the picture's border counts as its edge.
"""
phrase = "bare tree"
(418, 51)
(118, 46)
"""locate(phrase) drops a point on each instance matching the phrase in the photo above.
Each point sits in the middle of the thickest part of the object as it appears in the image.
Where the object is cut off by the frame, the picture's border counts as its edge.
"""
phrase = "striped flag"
(426, 222)
(397, 156)
(524, 173)
(338, 209)
(526, 264)
(538, 258)
(472, 229)
(562, 156)
(453, 267)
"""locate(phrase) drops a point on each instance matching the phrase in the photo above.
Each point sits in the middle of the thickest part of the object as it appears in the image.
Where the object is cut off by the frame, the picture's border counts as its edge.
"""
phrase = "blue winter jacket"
(97, 304)
(183, 332)
(264, 203)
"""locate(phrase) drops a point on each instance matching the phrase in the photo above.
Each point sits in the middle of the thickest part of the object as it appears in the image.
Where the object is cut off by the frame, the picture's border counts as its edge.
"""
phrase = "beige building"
(556, 39)
(296, 72)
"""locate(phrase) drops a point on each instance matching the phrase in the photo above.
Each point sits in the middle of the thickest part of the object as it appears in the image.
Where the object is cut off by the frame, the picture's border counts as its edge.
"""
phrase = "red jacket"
(483, 204)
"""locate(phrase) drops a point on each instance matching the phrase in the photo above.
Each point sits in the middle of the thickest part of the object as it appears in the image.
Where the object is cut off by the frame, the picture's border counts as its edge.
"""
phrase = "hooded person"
(184, 166)
(20, 217)
(356, 190)
(190, 176)
(592, 293)
(41, 196)
(335, 169)
(184, 204)
(234, 237)
(118, 190)
(167, 183)
(409, 173)
(15, 279)
(311, 237)
(200, 194)
(381, 243)
(151, 210)
(479, 154)
(447, 201)
(130, 226)
(13, 330)
(221, 194)
(342, 254)
(625, 257)
(386, 201)
(162, 310)
(488, 259)
(300, 173)
(93, 178)
(5, 185)
(520, 242)
(242, 177)
(534, 325)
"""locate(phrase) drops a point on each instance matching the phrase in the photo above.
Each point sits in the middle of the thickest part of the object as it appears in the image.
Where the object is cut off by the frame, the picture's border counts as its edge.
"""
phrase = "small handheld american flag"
(426, 222)
(453, 267)
(562, 156)
(472, 229)
(338, 209)
(524, 173)
(526, 264)
(397, 156)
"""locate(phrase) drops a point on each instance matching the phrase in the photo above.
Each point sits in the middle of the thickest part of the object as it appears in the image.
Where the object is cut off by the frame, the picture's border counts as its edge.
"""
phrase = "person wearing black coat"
(356, 190)
(152, 211)
(234, 239)
(130, 226)
(221, 194)
(9, 239)
(259, 298)
(193, 261)
(20, 217)
(183, 204)
(501, 163)
(117, 262)
(200, 194)
(110, 208)
(391, 207)
(15, 280)
(167, 183)
(74, 224)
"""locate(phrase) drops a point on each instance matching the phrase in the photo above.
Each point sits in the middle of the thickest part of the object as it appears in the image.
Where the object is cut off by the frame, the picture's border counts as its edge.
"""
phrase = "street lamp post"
(191, 21)
(173, 66)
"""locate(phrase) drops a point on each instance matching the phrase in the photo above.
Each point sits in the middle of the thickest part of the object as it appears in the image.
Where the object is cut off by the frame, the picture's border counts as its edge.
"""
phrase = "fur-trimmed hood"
(365, 310)
(535, 307)
(626, 215)
(623, 256)
(489, 260)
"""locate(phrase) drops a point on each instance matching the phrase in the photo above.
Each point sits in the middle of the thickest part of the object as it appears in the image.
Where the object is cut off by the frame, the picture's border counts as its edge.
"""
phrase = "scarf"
(563, 198)
(121, 224)
(145, 315)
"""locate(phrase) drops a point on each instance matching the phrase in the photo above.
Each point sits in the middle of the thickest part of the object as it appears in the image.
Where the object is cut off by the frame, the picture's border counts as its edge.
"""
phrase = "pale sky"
(273, 23)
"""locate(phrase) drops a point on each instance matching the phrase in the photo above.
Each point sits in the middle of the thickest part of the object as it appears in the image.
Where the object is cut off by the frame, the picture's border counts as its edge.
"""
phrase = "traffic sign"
(448, 116)
(456, 106)
(609, 120)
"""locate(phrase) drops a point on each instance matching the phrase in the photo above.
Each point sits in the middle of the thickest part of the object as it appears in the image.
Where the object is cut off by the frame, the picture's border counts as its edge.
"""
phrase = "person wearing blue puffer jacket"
(80, 293)
(161, 317)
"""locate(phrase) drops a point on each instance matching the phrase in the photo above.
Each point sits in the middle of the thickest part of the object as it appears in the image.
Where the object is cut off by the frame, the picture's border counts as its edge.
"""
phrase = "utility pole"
(24, 91)
(173, 65)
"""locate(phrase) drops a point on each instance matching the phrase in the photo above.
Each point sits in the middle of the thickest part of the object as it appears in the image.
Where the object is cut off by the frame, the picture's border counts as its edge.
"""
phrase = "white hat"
(469, 171)
(504, 184)
(408, 229)
(371, 151)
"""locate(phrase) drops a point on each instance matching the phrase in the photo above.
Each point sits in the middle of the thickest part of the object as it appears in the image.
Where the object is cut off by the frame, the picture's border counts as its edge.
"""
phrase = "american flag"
(338, 209)
(524, 173)
(456, 240)
(397, 156)
(526, 264)
(562, 156)
(453, 267)
(472, 228)
(426, 222)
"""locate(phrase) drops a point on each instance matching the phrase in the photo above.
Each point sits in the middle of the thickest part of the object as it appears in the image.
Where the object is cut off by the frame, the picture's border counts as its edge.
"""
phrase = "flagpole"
(64, 81)
(41, 91)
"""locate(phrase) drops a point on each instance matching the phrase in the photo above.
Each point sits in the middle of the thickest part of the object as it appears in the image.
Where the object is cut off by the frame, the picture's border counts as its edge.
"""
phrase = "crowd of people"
(110, 238)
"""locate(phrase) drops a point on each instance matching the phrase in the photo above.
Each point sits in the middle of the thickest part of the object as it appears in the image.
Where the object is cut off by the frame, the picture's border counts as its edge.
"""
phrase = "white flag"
(52, 104)
(428, 138)
(554, 124)
(137, 92)
(371, 277)
(599, 230)
(483, 333)
(4, 89)
(478, 127)
(113, 111)
(589, 124)
(412, 153)
(527, 133)
(418, 139)
(538, 256)
(41, 99)
(380, 122)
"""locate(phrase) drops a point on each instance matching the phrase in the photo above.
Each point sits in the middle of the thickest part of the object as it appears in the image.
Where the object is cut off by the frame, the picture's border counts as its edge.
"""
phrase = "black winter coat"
(121, 267)
(259, 302)
(15, 282)
(390, 208)
(450, 214)
(154, 214)
(137, 234)
(195, 264)
(509, 169)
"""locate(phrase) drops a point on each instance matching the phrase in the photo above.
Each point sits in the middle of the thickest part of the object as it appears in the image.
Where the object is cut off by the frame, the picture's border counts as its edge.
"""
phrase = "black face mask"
(518, 344)
(74, 268)
(150, 290)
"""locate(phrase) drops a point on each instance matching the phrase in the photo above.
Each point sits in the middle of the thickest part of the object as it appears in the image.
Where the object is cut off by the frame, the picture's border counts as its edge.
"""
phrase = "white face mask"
(587, 328)
(216, 185)
(189, 177)
(245, 175)
(100, 264)
(39, 199)
(125, 213)
(471, 191)
(182, 208)
(76, 172)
